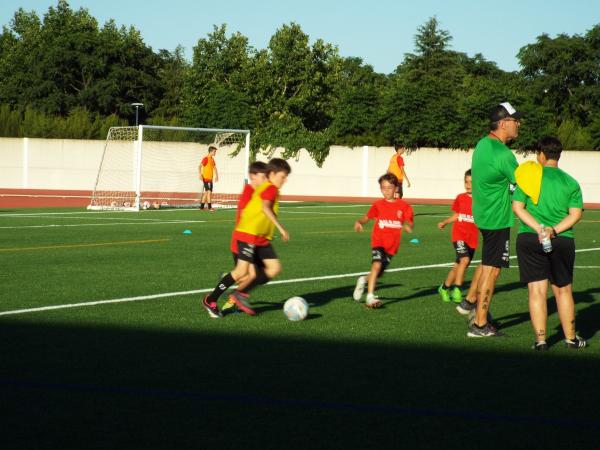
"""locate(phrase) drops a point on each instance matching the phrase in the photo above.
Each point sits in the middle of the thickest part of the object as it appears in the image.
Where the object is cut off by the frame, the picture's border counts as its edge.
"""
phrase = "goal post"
(151, 166)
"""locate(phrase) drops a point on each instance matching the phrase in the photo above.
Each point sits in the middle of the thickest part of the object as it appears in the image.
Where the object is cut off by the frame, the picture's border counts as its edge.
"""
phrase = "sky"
(380, 32)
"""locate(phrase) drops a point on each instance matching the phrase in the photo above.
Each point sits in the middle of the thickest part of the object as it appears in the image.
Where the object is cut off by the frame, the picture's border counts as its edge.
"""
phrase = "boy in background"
(464, 240)
(397, 168)
(255, 231)
(208, 175)
(390, 215)
(257, 174)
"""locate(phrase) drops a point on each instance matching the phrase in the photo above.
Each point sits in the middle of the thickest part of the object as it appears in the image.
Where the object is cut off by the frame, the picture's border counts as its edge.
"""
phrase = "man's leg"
(538, 308)
(472, 294)
(566, 309)
(485, 291)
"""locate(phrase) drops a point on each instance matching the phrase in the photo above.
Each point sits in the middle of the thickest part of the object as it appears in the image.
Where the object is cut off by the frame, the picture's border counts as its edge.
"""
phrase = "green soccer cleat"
(456, 295)
(444, 294)
(228, 306)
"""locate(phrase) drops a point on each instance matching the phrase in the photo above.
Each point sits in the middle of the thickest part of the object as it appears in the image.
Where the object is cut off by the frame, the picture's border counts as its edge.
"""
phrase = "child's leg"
(451, 276)
(372, 277)
(461, 267)
(566, 309)
(240, 271)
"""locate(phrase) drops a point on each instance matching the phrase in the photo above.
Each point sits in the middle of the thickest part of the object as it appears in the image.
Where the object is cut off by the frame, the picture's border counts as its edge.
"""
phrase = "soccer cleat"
(360, 288)
(456, 295)
(485, 331)
(465, 307)
(373, 302)
(211, 210)
(576, 344)
(212, 308)
(241, 301)
(541, 346)
(444, 294)
(488, 317)
(227, 306)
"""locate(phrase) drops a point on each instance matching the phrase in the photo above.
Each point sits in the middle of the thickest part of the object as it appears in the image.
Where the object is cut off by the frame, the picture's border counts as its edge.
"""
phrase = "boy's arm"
(568, 222)
(406, 176)
(526, 217)
(447, 221)
(267, 207)
(216, 173)
(358, 225)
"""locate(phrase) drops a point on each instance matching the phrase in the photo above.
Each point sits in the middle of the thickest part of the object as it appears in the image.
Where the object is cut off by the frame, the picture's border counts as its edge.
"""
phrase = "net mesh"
(162, 169)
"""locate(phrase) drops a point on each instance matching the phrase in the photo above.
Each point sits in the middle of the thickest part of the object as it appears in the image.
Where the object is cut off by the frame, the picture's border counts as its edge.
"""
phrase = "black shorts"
(378, 254)
(255, 254)
(208, 186)
(260, 263)
(463, 250)
(495, 249)
(535, 265)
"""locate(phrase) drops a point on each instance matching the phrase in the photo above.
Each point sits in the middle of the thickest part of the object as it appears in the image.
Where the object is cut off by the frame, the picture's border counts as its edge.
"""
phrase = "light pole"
(137, 109)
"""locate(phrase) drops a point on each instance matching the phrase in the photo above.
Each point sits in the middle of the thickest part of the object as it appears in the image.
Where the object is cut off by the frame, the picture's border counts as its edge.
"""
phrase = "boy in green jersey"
(493, 166)
(557, 210)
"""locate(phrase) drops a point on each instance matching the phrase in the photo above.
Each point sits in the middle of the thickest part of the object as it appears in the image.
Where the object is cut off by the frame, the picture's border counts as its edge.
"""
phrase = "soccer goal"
(149, 166)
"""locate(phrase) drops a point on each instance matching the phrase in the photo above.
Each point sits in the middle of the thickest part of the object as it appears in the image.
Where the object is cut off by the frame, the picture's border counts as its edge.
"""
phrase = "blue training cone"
(187, 231)
(414, 241)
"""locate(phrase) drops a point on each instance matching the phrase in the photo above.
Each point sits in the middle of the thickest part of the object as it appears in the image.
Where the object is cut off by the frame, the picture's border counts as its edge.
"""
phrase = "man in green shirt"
(493, 173)
(558, 209)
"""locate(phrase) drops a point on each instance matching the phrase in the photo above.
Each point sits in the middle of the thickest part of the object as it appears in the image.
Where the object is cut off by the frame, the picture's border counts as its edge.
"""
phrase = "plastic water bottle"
(546, 242)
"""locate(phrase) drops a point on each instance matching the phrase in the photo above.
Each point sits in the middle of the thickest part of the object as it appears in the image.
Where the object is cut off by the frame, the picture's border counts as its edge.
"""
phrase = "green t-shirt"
(559, 192)
(493, 170)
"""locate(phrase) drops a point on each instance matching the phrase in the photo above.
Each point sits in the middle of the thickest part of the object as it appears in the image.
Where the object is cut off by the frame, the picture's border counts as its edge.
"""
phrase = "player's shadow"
(320, 298)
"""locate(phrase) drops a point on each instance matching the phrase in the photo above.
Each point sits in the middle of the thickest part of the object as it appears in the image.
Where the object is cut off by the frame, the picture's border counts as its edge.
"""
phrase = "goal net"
(151, 167)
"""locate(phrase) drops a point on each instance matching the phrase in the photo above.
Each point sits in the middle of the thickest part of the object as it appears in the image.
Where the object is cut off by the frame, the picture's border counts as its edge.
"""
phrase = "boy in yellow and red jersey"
(208, 175)
(464, 239)
(254, 233)
(397, 168)
(390, 214)
(257, 173)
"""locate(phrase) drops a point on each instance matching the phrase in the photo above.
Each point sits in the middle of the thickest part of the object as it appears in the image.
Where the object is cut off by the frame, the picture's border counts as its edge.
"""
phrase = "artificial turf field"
(151, 370)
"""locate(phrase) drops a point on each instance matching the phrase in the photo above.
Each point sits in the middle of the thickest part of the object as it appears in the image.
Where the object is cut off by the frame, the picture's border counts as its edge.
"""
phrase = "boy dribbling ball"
(390, 215)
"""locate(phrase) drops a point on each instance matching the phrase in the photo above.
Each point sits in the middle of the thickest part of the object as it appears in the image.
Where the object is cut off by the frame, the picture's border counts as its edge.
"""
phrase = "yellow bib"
(529, 178)
(253, 220)
(395, 168)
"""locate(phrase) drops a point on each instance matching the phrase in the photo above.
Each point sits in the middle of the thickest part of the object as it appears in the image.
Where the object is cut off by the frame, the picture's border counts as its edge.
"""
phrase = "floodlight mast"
(137, 110)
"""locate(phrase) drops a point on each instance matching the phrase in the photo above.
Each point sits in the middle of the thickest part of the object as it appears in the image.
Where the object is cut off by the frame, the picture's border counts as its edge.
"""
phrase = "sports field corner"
(105, 344)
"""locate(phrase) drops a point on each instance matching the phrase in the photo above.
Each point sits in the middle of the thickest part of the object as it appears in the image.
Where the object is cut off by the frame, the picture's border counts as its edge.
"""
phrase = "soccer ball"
(295, 309)
(146, 205)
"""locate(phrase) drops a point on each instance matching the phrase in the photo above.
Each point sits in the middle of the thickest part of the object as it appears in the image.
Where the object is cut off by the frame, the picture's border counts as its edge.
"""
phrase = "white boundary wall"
(66, 164)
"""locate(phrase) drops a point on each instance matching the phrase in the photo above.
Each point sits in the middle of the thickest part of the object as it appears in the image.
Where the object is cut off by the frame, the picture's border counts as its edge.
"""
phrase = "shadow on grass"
(107, 387)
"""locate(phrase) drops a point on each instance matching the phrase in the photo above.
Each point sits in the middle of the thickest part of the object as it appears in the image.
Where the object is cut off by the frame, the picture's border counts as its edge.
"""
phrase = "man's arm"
(569, 221)
(267, 207)
(526, 217)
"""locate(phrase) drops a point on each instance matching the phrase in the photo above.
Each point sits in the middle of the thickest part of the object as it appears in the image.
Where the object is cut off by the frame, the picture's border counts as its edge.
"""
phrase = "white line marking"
(102, 224)
(200, 291)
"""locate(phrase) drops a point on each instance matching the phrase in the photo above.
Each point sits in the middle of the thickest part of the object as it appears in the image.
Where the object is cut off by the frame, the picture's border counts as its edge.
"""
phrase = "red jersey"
(245, 197)
(464, 228)
(389, 217)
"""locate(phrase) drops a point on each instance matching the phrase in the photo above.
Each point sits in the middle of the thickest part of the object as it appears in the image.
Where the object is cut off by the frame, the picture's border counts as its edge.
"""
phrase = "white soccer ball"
(146, 205)
(295, 309)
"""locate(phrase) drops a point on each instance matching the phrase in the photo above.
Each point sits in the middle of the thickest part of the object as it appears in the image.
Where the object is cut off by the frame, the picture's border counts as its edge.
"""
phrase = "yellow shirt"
(253, 220)
(208, 168)
(397, 167)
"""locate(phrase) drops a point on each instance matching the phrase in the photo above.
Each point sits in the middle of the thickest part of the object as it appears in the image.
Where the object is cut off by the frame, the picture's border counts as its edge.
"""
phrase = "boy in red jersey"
(464, 240)
(208, 175)
(257, 173)
(390, 214)
(255, 231)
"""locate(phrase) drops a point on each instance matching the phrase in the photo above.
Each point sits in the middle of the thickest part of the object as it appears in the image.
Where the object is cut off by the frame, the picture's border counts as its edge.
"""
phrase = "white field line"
(201, 291)
(101, 224)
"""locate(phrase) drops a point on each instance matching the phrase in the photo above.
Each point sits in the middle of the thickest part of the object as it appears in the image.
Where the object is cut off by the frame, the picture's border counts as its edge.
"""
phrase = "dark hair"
(389, 177)
(551, 147)
(468, 173)
(398, 145)
(212, 147)
(278, 165)
(258, 167)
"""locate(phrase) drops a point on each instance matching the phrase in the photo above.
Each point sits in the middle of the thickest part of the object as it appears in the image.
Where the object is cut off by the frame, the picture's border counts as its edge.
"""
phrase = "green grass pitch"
(127, 358)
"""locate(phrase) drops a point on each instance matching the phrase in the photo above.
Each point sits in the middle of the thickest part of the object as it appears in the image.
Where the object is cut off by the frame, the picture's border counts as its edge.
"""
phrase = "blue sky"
(378, 31)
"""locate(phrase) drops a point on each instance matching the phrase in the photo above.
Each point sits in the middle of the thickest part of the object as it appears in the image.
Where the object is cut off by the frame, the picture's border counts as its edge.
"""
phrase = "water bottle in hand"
(546, 242)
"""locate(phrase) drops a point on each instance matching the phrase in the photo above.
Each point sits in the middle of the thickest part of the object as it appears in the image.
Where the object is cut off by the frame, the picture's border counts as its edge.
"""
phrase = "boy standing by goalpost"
(255, 231)
(390, 214)
(397, 168)
(208, 175)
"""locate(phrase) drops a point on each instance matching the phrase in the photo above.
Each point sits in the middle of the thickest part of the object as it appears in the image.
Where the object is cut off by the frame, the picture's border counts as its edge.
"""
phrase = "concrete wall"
(61, 164)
